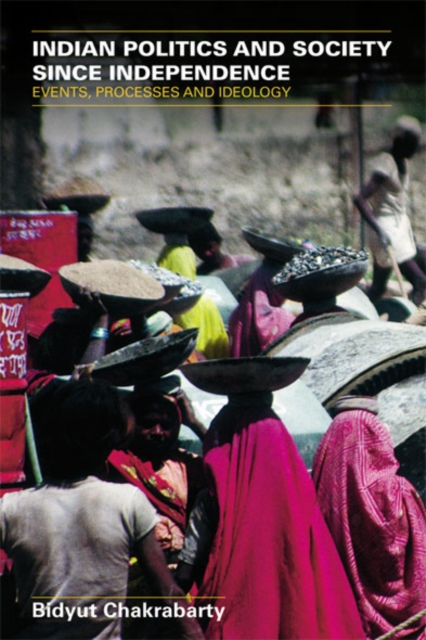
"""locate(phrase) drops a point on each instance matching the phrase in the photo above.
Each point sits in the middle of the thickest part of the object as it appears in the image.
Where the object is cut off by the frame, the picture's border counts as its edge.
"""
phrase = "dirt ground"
(269, 167)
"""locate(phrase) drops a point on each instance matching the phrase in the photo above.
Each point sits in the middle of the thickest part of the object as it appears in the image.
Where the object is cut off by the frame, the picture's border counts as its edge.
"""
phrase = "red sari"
(377, 520)
(272, 557)
(166, 498)
(259, 318)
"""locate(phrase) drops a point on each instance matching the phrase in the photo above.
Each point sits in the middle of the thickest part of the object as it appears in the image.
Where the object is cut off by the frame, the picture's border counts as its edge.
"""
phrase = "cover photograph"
(213, 319)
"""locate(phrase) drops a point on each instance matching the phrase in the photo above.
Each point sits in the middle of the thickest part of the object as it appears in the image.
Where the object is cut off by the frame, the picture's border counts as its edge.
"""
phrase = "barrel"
(46, 239)
(342, 353)
(402, 406)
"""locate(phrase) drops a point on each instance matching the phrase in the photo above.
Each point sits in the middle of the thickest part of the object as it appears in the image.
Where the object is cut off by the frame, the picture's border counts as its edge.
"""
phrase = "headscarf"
(259, 318)
(377, 520)
(160, 493)
(272, 558)
(179, 259)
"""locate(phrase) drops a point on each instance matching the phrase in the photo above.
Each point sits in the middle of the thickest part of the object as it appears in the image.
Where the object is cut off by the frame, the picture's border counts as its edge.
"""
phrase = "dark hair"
(84, 422)
(206, 233)
(166, 410)
(141, 404)
(61, 346)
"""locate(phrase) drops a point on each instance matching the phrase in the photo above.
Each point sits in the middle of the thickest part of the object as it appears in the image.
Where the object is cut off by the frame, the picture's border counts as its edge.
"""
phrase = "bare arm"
(96, 347)
(199, 536)
(139, 327)
(363, 206)
(188, 415)
(150, 555)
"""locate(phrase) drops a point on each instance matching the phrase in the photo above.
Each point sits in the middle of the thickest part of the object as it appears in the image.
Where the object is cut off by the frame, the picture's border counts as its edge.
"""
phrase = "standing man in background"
(383, 203)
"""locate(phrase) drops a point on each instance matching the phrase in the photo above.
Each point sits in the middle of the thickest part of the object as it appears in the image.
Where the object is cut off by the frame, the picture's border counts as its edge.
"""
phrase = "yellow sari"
(212, 339)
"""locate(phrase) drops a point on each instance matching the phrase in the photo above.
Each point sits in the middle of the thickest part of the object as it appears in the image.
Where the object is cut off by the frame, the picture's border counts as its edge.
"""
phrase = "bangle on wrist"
(100, 332)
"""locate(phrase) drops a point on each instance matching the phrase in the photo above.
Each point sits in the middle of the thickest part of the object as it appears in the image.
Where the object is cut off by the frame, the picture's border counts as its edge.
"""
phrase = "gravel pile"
(190, 288)
(318, 259)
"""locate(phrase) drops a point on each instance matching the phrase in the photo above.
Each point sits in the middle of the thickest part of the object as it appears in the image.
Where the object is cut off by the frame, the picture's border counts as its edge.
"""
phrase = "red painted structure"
(46, 239)
(13, 367)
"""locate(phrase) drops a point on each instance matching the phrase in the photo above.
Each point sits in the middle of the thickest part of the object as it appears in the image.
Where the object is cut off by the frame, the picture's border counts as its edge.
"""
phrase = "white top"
(73, 540)
(390, 207)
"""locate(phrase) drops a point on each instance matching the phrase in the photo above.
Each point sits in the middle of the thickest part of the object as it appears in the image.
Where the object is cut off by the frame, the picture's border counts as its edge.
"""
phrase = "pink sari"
(259, 318)
(272, 558)
(377, 521)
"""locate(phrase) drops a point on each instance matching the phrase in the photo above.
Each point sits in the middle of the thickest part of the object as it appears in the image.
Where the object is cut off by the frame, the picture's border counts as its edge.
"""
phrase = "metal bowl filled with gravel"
(19, 275)
(321, 273)
(188, 297)
(271, 246)
(124, 290)
(172, 282)
(147, 359)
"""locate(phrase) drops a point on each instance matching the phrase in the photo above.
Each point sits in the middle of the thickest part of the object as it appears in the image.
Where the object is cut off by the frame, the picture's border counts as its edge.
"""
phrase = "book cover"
(267, 113)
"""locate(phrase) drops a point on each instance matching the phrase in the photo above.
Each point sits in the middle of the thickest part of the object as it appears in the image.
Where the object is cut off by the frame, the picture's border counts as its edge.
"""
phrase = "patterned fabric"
(171, 490)
(377, 520)
(272, 558)
(259, 318)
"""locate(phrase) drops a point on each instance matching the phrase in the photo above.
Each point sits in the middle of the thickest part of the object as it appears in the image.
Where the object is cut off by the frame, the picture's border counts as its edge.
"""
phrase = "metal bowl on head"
(167, 220)
(124, 290)
(328, 282)
(146, 360)
(84, 204)
(271, 246)
(247, 375)
(19, 275)
(80, 193)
